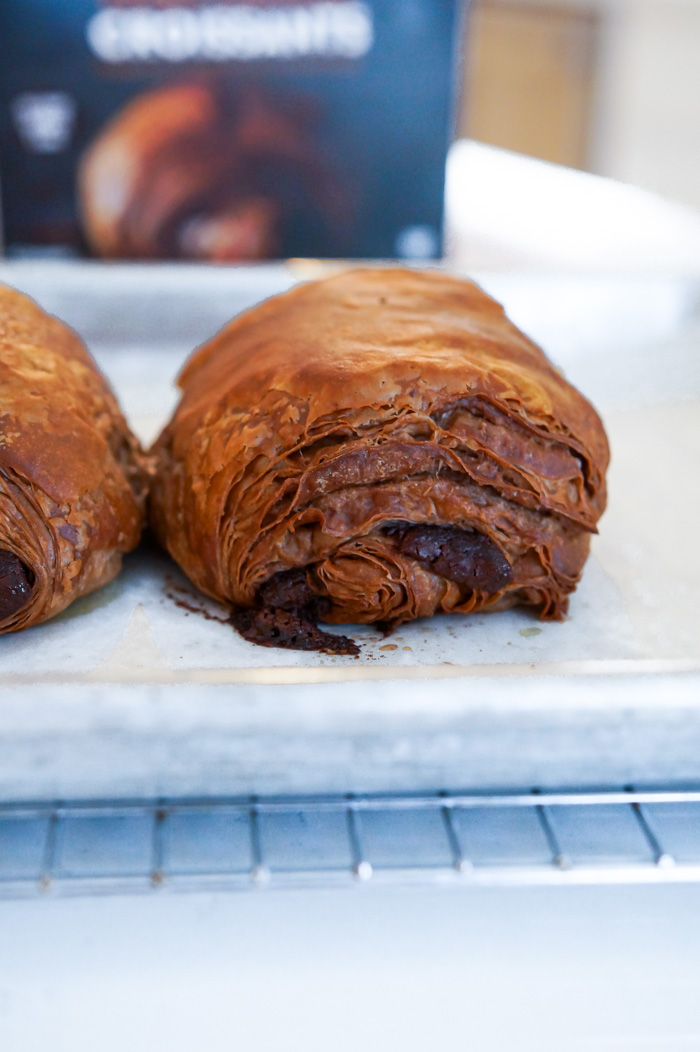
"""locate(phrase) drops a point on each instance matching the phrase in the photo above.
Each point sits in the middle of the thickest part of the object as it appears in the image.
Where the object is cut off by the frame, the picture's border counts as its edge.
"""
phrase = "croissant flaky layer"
(375, 447)
(72, 476)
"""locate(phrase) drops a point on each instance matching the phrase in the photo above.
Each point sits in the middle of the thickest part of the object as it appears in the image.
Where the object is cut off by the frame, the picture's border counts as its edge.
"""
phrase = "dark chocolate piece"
(285, 616)
(465, 556)
(274, 627)
(288, 590)
(16, 582)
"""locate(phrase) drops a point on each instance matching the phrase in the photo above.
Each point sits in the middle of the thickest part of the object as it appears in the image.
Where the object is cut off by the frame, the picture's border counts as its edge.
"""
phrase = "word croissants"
(72, 476)
(375, 447)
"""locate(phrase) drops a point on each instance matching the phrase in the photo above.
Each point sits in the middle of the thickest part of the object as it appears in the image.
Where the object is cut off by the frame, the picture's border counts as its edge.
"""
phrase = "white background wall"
(647, 124)
(646, 120)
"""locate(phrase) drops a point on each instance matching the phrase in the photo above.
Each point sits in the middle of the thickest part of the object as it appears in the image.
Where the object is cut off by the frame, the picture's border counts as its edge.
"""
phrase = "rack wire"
(76, 847)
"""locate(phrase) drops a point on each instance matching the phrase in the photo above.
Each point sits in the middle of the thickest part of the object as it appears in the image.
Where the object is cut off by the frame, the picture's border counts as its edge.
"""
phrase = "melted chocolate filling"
(283, 628)
(287, 608)
(290, 590)
(16, 582)
(465, 556)
(286, 616)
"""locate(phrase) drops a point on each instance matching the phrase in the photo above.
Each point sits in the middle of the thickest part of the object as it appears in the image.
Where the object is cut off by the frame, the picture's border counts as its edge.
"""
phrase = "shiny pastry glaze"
(72, 476)
(392, 436)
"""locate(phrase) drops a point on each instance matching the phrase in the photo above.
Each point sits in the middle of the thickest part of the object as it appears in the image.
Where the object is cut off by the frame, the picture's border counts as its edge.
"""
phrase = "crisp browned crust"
(316, 428)
(72, 476)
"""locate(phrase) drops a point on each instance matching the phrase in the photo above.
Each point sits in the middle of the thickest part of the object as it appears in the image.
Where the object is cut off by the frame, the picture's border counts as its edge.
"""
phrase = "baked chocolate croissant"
(189, 171)
(72, 476)
(375, 447)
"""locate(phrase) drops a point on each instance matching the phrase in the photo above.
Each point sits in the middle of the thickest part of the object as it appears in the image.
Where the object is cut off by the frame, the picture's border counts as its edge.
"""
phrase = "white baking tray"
(129, 694)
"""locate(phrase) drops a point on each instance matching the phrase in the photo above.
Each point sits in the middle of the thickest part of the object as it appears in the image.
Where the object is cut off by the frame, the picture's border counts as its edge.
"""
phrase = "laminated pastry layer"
(72, 476)
(390, 436)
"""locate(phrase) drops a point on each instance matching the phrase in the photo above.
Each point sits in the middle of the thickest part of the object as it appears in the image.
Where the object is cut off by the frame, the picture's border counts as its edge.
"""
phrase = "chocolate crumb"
(387, 628)
(287, 609)
(274, 627)
(191, 608)
(290, 590)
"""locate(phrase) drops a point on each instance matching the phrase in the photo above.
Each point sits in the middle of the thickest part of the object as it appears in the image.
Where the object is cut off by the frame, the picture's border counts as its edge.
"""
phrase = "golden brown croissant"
(375, 447)
(72, 478)
(187, 171)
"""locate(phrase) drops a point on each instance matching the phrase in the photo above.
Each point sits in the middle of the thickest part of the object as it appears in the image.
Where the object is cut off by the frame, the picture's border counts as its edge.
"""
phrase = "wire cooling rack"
(527, 838)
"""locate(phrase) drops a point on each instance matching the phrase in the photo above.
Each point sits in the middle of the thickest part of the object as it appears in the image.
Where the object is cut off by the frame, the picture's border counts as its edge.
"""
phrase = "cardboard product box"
(218, 130)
